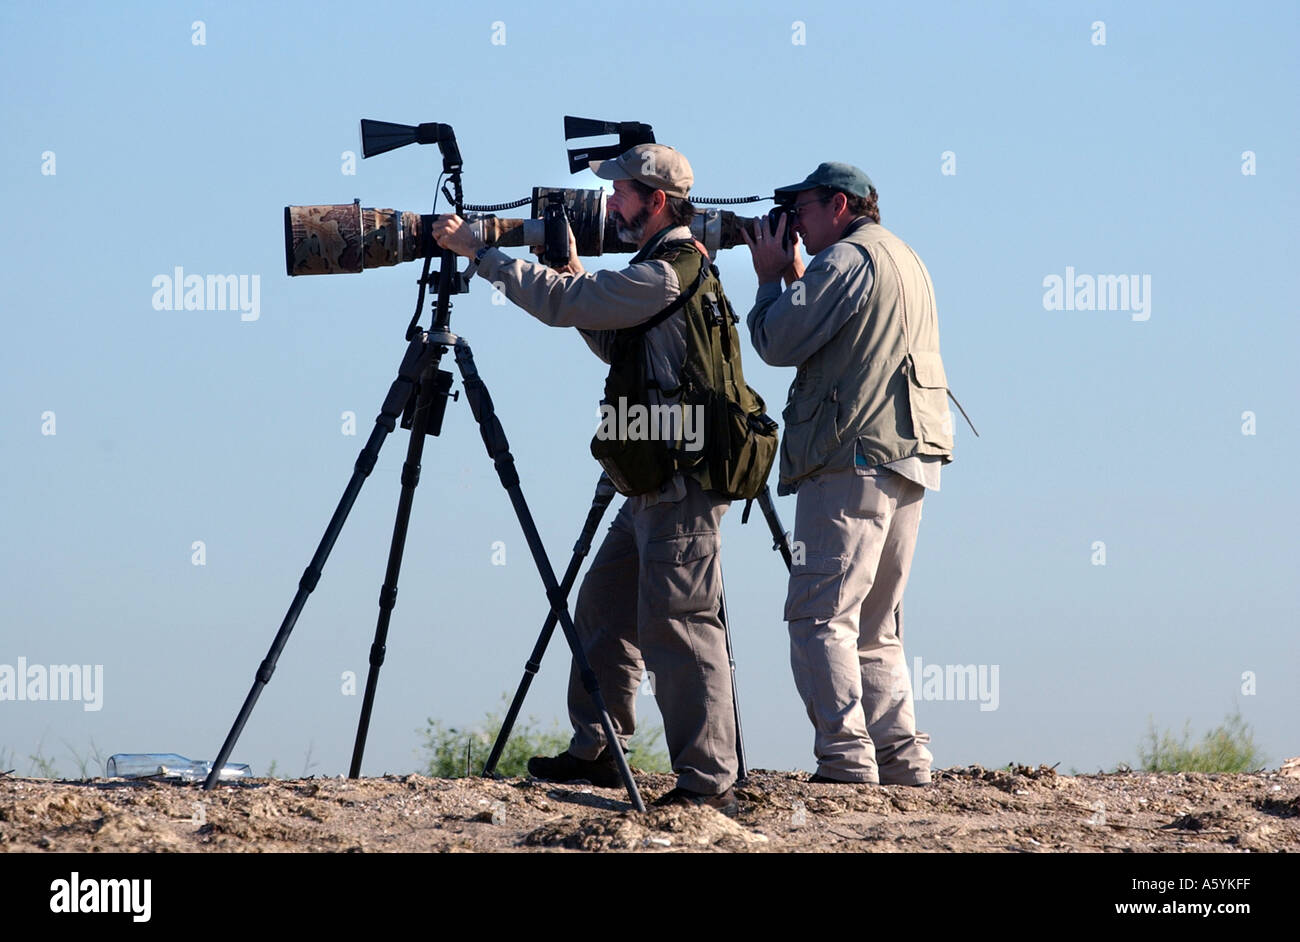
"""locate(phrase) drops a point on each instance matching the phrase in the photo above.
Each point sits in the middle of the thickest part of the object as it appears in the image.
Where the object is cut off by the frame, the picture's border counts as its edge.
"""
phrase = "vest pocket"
(927, 390)
(811, 430)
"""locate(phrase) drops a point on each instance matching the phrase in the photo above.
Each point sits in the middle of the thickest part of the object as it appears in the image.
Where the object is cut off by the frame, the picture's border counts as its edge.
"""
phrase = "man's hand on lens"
(450, 232)
(772, 262)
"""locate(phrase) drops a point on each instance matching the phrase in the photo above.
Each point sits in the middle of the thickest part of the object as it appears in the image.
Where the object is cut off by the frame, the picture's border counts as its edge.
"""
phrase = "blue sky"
(1097, 427)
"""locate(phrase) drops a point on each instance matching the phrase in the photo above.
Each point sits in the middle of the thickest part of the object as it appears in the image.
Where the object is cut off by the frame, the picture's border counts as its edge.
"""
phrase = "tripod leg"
(604, 494)
(388, 593)
(494, 437)
(398, 394)
(742, 770)
(780, 540)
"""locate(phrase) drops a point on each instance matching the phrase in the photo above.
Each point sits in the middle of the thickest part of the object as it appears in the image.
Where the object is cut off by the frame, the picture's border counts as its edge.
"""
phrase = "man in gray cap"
(651, 597)
(866, 430)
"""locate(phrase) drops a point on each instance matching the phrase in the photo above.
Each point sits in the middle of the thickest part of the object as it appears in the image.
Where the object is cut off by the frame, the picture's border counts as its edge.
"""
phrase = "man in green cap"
(866, 430)
(651, 596)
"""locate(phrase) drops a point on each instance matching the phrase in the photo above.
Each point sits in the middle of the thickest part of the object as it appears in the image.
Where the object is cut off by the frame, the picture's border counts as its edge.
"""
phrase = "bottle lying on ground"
(169, 765)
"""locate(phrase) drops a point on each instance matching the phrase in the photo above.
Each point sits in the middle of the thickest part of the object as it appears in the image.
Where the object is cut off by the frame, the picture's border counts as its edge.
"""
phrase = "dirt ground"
(966, 809)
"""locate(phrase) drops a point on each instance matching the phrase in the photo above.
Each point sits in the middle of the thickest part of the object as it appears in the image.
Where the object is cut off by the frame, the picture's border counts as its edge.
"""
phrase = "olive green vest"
(879, 381)
(738, 441)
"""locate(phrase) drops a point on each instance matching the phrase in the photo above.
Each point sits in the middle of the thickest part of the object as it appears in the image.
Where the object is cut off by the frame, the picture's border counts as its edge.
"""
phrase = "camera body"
(555, 217)
(784, 209)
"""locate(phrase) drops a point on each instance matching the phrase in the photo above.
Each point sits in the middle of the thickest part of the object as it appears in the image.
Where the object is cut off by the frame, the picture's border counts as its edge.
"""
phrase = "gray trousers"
(651, 597)
(856, 531)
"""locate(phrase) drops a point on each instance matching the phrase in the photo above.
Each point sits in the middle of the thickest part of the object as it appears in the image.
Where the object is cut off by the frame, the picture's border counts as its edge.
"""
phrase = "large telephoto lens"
(349, 238)
(344, 237)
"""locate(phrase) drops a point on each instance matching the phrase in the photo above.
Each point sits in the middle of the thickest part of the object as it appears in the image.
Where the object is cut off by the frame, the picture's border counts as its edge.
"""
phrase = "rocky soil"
(965, 809)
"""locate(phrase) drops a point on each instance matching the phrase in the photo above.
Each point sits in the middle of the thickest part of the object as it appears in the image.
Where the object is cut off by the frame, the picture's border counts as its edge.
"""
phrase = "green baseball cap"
(832, 173)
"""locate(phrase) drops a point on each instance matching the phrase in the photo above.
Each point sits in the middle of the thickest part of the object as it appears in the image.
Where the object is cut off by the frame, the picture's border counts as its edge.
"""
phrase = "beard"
(631, 230)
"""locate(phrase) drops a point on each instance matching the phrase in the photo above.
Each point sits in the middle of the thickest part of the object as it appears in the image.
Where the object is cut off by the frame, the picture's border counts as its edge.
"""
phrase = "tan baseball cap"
(655, 165)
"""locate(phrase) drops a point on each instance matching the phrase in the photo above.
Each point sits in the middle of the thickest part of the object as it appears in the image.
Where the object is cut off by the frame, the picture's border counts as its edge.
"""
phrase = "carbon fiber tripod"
(419, 395)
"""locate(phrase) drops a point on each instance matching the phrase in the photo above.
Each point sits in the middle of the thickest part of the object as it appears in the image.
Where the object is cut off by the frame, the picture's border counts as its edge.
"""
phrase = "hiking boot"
(601, 771)
(725, 803)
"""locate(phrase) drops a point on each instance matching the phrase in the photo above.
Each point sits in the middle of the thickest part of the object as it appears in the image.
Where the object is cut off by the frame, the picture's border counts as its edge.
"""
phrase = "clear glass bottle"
(169, 765)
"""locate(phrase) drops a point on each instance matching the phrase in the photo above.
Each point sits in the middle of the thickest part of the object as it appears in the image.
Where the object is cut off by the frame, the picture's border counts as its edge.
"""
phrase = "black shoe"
(725, 803)
(601, 771)
(820, 779)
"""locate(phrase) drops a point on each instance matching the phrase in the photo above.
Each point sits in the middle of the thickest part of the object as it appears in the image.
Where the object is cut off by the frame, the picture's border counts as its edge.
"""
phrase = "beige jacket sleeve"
(602, 300)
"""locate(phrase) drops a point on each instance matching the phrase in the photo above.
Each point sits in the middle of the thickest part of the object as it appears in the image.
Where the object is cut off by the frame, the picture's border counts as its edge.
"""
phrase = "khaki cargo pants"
(844, 607)
(651, 597)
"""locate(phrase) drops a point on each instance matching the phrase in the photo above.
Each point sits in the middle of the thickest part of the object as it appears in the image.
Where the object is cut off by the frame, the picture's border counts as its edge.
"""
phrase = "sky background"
(172, 427)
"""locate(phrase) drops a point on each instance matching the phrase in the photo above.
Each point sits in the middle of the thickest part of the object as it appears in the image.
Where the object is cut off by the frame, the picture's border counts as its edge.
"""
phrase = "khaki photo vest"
(879, 381)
